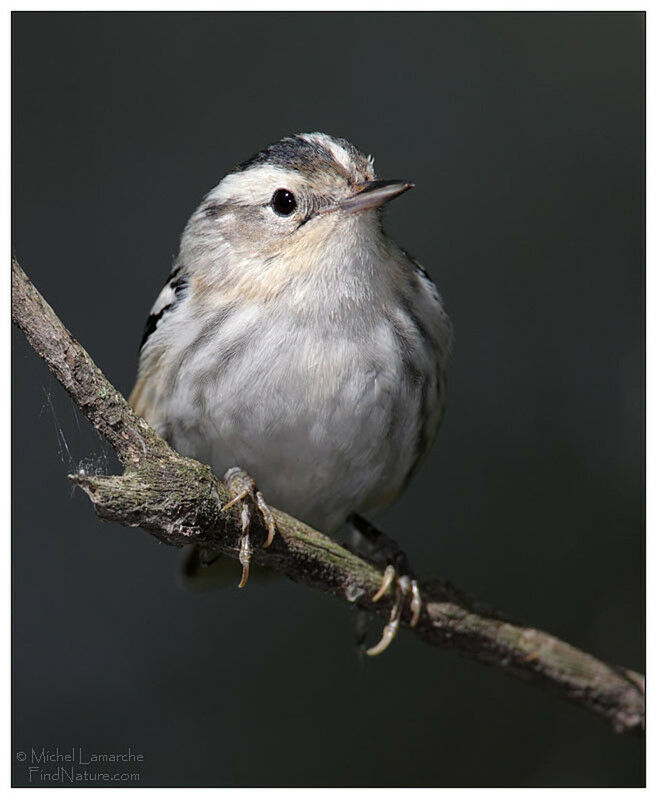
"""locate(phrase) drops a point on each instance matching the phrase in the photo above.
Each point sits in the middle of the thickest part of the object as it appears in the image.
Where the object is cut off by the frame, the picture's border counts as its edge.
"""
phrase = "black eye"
(283, 202)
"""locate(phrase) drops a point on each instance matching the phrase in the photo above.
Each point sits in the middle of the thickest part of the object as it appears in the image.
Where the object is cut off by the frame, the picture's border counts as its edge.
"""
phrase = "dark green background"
(525, 136)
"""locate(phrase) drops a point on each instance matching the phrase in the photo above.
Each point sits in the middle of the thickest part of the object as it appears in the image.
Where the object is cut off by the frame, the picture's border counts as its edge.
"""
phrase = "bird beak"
(374, 193)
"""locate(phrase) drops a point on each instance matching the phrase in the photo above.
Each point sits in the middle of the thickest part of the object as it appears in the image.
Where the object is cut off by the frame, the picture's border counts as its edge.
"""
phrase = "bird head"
(299, 202)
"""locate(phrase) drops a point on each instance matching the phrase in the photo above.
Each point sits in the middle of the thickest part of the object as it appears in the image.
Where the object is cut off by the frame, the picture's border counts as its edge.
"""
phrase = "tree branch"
(179, 501)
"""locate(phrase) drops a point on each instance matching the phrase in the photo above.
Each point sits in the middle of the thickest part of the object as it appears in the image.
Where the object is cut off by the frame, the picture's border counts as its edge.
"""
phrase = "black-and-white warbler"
(294, 340)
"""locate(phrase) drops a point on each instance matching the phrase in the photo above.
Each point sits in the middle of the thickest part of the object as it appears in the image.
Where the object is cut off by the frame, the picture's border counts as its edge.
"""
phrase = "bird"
(297, 349)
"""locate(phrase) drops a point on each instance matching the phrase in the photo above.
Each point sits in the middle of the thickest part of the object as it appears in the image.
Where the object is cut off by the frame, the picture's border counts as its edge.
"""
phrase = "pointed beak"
(374, 193)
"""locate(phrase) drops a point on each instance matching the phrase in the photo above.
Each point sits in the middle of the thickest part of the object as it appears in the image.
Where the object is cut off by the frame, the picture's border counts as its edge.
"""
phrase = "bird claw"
(388, 576)
(245, 557)
(245, 491)
(406, 587)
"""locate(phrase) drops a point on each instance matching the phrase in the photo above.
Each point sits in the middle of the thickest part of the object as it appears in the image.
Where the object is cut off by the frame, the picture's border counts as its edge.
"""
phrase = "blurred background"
(524, 134)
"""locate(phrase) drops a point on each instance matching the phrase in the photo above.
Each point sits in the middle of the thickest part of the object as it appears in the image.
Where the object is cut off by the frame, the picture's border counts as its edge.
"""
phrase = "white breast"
(325, 423)
(327, 390)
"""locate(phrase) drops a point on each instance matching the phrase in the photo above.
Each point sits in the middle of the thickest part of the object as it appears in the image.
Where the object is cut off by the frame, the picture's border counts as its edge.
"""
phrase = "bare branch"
(179, 501)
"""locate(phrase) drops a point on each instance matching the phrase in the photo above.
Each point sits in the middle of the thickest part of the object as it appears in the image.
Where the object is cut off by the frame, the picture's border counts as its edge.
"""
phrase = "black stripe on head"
(296, 152)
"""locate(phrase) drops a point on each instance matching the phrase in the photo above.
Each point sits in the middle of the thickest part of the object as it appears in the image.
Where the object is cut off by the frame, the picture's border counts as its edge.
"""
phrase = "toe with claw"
(385, 550)
(406, 589)
(245, 492)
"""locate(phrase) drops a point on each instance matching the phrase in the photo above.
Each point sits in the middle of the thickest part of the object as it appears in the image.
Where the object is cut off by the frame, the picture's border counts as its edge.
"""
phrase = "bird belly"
(326, 424)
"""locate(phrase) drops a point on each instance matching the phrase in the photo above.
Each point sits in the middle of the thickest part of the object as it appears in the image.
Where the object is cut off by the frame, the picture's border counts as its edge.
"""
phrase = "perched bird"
(296, 346)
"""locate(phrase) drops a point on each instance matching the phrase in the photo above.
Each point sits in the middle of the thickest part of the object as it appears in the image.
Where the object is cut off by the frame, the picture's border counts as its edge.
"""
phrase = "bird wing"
(169, 298)
(437, 335)
(171, 294)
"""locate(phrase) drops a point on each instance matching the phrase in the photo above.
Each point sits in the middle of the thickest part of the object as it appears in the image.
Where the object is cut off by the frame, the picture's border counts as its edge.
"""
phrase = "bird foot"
(397, 572)
(406, 590)
(245, 493)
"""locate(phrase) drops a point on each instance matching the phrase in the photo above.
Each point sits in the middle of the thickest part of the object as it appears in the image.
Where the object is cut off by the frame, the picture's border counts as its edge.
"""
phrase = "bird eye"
(283, 202)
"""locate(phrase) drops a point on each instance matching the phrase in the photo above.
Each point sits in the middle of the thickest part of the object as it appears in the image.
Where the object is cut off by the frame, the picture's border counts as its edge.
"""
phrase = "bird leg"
(383, 549)
(245, 492)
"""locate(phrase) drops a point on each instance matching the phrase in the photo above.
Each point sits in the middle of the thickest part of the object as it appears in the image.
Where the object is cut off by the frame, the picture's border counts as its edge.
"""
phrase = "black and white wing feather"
(173, 291)
(143, 398)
